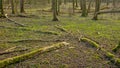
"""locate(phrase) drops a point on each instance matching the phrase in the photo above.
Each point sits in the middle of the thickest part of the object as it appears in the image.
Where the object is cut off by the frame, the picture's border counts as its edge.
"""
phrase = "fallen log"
(23, 57)
(116, 48)
(103, 12)
(109, 55)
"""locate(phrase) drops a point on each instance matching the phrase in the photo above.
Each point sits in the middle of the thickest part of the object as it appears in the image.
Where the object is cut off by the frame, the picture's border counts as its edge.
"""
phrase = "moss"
(116, 48)
(110, 55)
(94, 44)
(117, 61)
(23, 57)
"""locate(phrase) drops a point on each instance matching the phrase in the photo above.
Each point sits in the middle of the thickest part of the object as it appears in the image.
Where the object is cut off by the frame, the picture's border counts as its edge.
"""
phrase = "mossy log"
(116, 48)
(94, 44)
(61, 28)
(109, 55)
(23, 57)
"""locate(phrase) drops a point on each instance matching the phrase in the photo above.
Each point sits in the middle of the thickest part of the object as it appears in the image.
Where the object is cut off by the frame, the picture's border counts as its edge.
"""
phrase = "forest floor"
(105, 32)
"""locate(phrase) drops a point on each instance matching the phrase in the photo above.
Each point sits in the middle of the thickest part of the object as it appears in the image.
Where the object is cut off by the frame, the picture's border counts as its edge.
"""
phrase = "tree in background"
(54, 8)
(14, 6)
(84, 10)
(22, 6)
(97, 9)
(1, 9)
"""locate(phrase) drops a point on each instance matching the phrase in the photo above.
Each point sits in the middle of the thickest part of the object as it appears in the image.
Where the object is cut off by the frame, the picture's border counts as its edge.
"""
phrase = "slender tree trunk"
(59, 3)
(22, 6)
(84, 10)
(97, 9)
(76, 5)
(54, 3)
(1, 9)
(73, 6)
(89, 6)
(14, 6)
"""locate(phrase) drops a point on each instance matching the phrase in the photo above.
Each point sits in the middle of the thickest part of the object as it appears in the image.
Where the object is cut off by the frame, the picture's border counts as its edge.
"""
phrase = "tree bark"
(1, 9)
(54, 3)
(22, 6)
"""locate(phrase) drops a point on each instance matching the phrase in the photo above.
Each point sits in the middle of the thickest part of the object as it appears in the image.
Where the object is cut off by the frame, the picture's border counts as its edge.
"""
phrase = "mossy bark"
(109, 55)
(23, 57)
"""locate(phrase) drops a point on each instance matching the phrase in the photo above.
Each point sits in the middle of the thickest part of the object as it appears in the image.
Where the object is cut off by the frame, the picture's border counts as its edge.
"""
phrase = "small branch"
(14, 21)
(60, 28)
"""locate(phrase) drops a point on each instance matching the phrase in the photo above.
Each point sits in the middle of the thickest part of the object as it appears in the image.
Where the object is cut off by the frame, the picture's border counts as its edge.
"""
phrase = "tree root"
(109, 55)
(23, 57)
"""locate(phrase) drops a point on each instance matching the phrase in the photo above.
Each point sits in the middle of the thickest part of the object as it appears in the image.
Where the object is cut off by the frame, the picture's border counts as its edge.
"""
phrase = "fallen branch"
(109, 55)
(23, 57)
(103, 12)
(60, 28)
(8, 52)
(32, 40)
(14, 21)
(36, 31)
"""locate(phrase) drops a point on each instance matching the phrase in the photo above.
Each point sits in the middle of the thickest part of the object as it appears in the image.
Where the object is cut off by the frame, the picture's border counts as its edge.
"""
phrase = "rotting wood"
(109, 55)
(23, 57)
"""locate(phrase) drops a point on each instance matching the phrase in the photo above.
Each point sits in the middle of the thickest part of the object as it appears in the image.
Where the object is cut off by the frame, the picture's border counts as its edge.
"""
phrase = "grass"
(105, 31)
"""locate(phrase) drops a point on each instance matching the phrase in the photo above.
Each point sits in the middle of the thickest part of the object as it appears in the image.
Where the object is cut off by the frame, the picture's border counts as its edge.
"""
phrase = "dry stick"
(31, 54)
(14, 21)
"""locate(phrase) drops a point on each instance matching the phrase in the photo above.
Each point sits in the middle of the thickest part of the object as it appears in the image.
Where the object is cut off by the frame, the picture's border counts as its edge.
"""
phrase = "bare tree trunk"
(73, 6)
(84, 10)
(97, 9)
(14, 6)
(1, 9)
(54, 3)
(22, 6)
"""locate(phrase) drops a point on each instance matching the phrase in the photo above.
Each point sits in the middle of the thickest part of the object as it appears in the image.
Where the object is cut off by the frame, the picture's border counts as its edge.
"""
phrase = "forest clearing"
(59, 34)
